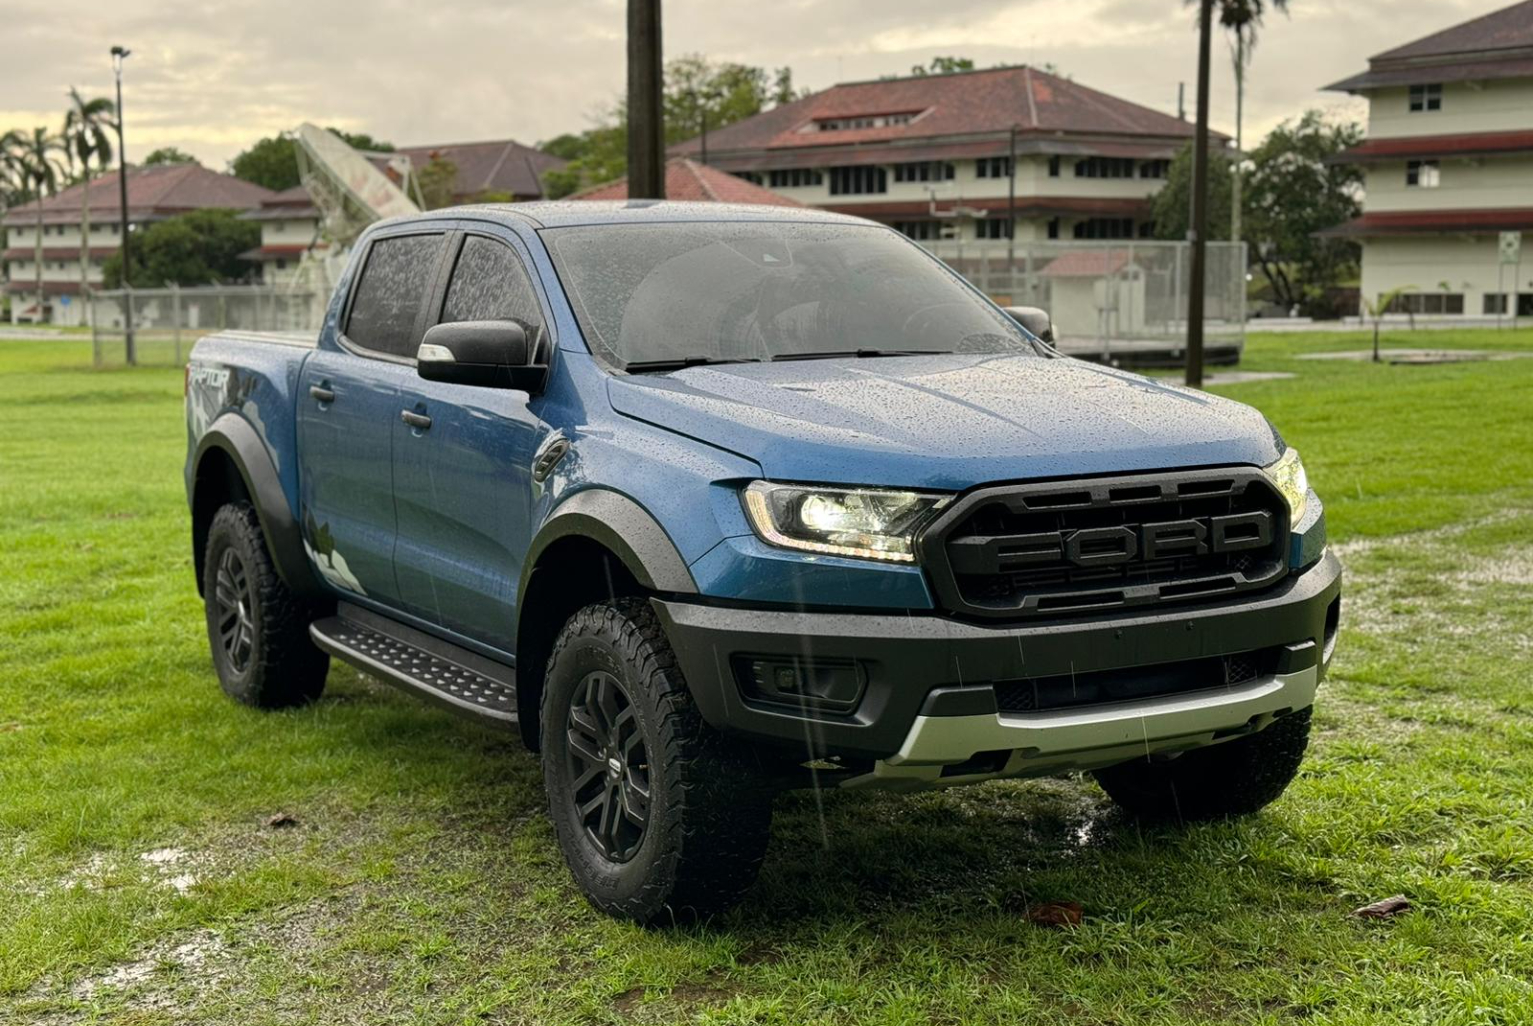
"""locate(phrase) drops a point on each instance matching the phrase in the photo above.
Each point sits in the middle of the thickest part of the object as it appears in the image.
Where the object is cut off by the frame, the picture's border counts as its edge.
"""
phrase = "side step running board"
(459, 680)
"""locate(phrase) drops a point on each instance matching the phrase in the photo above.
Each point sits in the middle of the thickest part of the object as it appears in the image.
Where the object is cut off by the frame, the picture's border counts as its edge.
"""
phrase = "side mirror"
(491, 354)
(1034, 319)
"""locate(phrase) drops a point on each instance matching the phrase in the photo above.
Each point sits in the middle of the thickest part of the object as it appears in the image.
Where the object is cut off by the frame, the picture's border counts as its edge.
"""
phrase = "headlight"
(1291, 481)
(864, 523)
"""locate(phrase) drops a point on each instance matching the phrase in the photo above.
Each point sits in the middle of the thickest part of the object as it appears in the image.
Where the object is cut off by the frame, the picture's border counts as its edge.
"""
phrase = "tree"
(41, 170)
(1296, 191)
(1242, 18)
(86, 142)
(695, 88)
(1172, 206)
(436, 181)
(944, 66)
(170, 155)
(273, 161)
(198, 248)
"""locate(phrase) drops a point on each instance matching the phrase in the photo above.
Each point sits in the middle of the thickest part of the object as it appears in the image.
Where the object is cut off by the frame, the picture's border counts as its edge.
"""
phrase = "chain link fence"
(1120, 301)
(168, 321)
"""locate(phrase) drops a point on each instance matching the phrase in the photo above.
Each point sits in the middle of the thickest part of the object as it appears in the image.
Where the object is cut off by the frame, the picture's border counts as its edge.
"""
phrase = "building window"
(1427, 303)
(1426, 97)
(1054, 166)
(1495, 304)
(1154, 169)
(1105, 167)
(1054, 228)
(856, 181)
(993, 228)
(865, 121)
(796, 177)
(1422, 174)
(993, 167)
(281, 264)
(924, 171)
(754, 177)
(921, 231)
(1105, 228)
(1147, 229)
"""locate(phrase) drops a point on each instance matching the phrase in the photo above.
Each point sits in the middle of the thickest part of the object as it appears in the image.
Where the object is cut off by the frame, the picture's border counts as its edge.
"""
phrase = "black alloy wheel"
(233, 599)
(608, 766)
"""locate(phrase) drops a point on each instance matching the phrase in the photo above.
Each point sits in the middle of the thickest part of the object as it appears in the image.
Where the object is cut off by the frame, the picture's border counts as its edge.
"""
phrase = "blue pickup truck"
(709, 502)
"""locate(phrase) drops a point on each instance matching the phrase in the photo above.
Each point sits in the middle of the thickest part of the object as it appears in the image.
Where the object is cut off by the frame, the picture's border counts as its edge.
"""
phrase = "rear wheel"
(658, 819)
(257, 628)
(1233, 778)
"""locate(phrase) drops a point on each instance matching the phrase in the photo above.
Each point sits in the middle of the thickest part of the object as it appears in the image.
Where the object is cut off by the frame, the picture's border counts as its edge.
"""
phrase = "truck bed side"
(241, 441)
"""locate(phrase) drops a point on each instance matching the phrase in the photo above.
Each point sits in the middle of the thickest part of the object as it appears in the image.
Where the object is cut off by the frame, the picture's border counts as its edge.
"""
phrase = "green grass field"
(422, 883)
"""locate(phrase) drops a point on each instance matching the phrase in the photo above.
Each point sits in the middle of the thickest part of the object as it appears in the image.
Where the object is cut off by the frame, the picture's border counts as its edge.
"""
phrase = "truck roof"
(563, 213)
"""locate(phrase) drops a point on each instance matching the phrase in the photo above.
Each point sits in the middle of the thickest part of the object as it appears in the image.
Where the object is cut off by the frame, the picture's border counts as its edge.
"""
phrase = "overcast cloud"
(212, 77)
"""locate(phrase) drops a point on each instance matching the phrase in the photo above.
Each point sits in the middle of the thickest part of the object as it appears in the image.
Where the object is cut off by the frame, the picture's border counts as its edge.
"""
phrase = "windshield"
(754, 290)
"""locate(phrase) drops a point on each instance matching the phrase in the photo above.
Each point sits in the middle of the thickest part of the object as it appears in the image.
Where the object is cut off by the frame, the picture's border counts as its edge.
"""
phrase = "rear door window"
(395, 285)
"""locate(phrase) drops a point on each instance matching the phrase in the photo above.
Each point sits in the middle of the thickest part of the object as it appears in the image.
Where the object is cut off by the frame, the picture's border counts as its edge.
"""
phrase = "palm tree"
(42, 171)
(86, 140)
(1242, 18)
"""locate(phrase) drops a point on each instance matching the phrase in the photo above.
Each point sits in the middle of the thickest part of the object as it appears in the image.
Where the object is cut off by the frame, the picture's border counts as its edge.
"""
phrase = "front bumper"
(929, 699)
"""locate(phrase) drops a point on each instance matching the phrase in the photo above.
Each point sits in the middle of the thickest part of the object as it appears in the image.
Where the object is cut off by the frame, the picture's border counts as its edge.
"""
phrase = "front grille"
(1070, 690)
(1105, 543)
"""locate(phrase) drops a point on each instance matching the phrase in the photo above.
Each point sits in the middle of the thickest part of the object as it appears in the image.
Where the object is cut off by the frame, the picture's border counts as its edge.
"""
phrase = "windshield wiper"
(680, 363)
(861, 353)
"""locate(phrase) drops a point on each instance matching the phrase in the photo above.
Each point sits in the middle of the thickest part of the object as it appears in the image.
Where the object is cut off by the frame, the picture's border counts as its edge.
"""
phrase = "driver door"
(463, 485)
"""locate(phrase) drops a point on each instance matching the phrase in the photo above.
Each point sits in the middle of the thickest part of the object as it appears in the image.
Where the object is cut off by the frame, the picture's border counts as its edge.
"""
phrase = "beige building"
(154, 193)
(1448, 163)
(931, 156)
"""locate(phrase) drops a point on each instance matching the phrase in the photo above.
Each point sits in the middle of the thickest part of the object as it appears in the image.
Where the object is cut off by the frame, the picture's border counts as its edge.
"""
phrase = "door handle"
(324, 395)
(415, 420)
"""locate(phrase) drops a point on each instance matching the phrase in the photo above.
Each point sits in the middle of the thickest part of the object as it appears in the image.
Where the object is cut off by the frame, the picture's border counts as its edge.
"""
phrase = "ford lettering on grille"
(1058, 548)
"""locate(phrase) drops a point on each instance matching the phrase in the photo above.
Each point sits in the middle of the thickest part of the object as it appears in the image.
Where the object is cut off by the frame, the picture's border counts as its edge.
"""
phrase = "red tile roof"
(688, 180)
(50, 288)
(500, 165)
(1044, 107)
(1468, 144)
(153, 193)
(1436, 222)
(1087, 263)
(1495, 45)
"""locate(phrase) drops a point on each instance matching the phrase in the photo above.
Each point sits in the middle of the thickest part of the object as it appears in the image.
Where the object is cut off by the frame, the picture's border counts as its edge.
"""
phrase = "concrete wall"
(1491, 106)
(1466, 184)
(1467, 263)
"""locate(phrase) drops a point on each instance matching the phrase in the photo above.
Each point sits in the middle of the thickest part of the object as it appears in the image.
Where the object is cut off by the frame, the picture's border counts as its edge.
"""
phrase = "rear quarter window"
(392, 292)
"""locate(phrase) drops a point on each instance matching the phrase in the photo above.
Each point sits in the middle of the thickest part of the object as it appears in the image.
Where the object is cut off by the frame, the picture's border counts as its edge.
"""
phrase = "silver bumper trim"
(1087, 738)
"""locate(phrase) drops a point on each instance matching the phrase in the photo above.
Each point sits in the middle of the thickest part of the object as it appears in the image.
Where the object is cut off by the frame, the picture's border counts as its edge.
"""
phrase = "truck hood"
(945, 422)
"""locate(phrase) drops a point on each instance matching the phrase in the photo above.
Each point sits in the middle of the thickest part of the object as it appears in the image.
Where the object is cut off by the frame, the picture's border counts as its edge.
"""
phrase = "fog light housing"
(829, 685)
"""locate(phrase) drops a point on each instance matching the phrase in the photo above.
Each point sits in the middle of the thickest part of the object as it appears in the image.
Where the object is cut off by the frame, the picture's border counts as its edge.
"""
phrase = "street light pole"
(1199, 232)
(130, 349)
(646, 127)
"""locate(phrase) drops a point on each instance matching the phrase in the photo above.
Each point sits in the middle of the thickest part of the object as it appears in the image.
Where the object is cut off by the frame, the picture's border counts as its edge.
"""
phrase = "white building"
(1449, 168)
(289, 229)
(154, 193)
(930, 155)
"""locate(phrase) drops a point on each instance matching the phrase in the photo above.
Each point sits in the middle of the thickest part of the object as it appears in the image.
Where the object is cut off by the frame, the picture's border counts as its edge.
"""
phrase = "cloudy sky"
(211, 77)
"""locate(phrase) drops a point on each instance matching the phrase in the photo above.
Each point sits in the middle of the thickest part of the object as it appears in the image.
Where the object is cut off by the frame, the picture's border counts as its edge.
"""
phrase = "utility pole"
(1240, 153)
(130, 350)
(1011, 211)
(1199, 232)
(646, 125)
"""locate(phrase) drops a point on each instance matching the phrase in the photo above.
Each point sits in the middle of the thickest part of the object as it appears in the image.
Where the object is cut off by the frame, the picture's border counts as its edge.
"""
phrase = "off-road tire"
(1233, 778)
(709, 810)
(279, 667)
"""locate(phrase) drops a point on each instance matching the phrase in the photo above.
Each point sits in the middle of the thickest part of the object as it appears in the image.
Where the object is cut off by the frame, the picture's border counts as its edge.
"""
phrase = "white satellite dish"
(349, 191)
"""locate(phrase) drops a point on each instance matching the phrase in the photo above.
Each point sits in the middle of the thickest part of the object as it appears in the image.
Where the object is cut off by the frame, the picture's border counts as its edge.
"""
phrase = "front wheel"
(658, 819)
(1233, 778)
